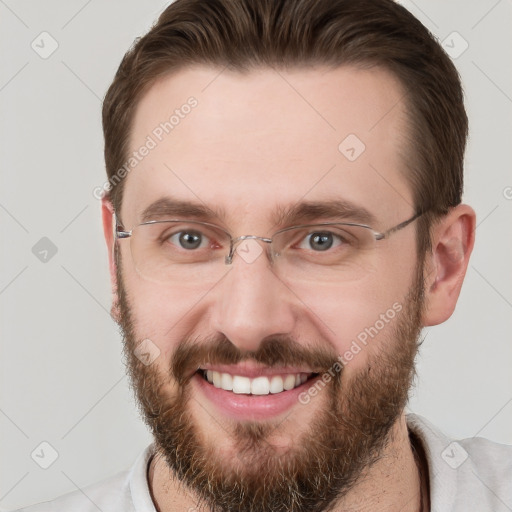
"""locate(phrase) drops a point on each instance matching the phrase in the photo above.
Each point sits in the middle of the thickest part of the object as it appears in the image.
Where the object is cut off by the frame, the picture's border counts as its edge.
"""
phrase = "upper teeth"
(257, 386)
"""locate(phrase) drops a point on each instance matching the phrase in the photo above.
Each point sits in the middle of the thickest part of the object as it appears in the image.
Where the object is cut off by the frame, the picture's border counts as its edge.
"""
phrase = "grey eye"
(320, 241)
(189, 239)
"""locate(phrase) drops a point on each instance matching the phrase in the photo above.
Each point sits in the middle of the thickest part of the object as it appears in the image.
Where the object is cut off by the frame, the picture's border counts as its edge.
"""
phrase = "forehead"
(243, 143)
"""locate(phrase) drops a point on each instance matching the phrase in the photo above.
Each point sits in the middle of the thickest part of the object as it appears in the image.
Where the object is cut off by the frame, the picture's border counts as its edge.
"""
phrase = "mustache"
(273, 351)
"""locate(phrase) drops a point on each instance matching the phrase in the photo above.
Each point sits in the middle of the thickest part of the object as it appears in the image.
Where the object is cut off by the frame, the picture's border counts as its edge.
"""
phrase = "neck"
(397, 481)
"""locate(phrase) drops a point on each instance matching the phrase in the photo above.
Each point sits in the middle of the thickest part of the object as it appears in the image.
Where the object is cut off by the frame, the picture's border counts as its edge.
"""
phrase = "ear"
(107, 215)
(445, 267)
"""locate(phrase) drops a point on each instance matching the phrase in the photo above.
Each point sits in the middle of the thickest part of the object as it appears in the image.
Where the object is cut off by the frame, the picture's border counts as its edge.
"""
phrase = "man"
(283, 217)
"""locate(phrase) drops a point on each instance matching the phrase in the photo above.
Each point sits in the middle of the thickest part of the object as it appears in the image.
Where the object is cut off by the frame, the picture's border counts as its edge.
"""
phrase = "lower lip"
(251, 407)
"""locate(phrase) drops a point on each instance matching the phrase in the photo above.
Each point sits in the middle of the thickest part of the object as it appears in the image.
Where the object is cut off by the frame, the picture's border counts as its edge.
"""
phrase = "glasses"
(188, 252)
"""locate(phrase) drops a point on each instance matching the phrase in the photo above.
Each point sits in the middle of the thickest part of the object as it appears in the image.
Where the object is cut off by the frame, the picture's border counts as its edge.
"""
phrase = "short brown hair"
(245, 34)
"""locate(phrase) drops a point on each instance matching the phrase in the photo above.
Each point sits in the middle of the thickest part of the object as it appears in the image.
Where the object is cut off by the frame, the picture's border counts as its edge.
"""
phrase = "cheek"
(362, 316)
(164, 314)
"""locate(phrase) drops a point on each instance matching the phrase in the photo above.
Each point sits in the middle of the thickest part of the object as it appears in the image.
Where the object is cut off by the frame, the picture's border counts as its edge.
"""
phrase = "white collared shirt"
(470, 475)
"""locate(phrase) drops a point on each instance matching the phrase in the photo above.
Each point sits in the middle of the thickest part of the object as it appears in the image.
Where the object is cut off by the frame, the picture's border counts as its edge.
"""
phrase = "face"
(258, 153)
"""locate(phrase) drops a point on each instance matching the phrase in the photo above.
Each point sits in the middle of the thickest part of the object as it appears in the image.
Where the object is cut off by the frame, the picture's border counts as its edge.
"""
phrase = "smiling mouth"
(261, 385)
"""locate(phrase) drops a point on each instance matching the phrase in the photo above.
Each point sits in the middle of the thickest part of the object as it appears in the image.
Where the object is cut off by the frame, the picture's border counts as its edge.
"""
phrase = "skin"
(254, 143)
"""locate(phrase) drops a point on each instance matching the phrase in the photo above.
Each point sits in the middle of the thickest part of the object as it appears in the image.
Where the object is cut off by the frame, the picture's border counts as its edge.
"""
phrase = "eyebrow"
(330, 210)
(166, 207)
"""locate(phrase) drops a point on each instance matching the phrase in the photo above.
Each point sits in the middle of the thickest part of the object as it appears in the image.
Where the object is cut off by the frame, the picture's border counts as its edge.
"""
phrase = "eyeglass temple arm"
(398, 227)
(119, 231)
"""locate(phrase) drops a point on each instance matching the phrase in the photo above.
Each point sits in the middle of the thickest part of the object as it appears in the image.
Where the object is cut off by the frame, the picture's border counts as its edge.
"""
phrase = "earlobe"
(452, 243)
(107, 215)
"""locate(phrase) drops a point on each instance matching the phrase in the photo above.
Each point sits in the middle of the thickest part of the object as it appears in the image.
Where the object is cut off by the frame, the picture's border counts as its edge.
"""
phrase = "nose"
(251, 302)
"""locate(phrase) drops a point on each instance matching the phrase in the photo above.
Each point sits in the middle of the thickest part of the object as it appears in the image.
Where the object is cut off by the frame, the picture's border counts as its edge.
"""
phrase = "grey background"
(62, 379)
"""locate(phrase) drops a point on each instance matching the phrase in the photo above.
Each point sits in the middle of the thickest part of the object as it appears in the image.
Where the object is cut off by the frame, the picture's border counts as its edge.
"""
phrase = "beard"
(347, 435)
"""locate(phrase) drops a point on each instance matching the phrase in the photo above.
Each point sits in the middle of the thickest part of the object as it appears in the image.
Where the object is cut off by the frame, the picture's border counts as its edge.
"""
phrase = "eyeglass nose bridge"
(236, 241)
